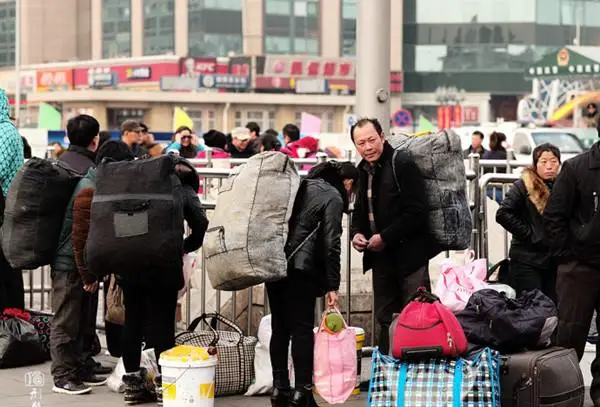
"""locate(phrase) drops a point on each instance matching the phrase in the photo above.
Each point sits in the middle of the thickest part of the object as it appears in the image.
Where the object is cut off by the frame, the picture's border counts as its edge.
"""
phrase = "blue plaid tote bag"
(436, 383)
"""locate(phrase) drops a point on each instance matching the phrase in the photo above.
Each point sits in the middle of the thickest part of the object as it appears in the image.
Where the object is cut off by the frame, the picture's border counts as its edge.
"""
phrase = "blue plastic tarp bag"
(473, 382)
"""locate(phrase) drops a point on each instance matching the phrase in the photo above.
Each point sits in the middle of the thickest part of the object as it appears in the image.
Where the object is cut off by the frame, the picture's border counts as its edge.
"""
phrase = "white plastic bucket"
(188, 383)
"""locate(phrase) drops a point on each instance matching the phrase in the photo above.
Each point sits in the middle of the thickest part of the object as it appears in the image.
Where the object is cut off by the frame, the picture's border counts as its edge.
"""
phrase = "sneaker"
(101, 370)
(94, 381)
(70, 387)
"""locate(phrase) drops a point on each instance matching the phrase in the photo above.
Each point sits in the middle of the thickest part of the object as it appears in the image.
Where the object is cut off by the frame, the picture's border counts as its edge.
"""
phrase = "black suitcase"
(548, 377)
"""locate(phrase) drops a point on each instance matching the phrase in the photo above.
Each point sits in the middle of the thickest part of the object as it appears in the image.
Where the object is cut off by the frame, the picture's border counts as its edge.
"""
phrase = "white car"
(525, 140)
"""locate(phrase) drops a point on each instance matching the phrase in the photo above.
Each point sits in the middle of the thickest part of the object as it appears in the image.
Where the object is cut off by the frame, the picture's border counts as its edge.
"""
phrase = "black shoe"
(101, 370)
(303, 397)
(70, 387)
(93, 380)
(280, 397)
(158, 390)
(137, 388)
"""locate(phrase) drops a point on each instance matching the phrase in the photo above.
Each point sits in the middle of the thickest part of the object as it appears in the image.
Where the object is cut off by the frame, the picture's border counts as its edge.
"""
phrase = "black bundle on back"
(136, 218)
(35, 210)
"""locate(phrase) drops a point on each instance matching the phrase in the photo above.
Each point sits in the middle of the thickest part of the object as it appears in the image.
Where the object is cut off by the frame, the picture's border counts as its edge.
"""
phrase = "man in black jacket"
(389, 223)
(572, 226)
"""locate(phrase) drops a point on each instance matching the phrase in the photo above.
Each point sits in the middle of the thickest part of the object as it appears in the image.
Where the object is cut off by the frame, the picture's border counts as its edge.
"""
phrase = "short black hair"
(270, 142)
(82, 129)
(253, 127)
(363, 122)
(144, 127)
(545, 148)
(272, 132)
(478, 133)
(115, 150)
(292, 131)
(214, 138)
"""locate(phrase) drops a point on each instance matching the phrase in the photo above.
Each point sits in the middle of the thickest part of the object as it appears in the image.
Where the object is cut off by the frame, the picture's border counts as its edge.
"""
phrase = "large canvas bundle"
(136, 218)
(439, 157)
(245, 240)
(35, 210)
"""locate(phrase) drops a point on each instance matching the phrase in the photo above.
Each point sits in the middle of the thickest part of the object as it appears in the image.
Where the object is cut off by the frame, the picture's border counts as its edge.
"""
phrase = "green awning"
(566, 62)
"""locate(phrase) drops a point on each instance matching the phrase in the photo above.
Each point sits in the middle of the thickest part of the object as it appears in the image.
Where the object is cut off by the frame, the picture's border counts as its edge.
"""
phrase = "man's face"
(145, 137)
(133, 136)
(368, 142)
(476, 141)
(241, 145)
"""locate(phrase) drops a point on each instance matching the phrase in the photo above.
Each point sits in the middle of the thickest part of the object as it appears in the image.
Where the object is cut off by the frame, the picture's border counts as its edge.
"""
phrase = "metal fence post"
(475, 166)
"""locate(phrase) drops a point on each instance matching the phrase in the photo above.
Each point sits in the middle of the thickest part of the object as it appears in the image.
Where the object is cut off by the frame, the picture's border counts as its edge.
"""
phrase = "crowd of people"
(552, 214)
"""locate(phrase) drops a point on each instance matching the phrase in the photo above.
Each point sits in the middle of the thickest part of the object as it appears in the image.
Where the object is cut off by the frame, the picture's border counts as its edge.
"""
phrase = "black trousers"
(149, 314)
(292, 302)
(12, 293)
(391, 290)
(69, 336)
(578, 289)
(525, 277)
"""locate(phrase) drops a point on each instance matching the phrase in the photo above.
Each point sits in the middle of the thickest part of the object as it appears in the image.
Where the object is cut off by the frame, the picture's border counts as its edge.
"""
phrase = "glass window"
(292, 27)
(7, 40)
(116, 28)
(264, 118)
(566, 142)
(214, 28)
(349, 27)
(327, 119)
(159, 27)
(469, 11)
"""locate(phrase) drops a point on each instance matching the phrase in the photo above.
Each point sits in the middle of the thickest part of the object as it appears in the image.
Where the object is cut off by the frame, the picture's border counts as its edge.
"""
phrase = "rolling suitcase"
(542, 378)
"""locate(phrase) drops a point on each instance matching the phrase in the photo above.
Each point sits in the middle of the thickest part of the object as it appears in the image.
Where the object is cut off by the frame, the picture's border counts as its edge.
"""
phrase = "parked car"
(526, 139)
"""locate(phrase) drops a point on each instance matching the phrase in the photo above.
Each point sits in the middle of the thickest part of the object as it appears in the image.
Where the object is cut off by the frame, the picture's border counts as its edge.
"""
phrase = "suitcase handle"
(212, 324)
(424, 296)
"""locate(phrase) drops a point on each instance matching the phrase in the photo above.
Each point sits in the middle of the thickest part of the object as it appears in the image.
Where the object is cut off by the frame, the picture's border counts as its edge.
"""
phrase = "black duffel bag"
(20, 343)
(509, 325)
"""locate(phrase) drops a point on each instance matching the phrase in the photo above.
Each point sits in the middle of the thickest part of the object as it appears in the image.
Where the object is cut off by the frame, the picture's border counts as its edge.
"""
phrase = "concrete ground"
(15, 393)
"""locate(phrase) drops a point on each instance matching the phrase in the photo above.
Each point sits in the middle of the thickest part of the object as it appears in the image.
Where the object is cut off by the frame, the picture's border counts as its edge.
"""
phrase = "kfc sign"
(61, 79)
(197, 66)
(328, 68)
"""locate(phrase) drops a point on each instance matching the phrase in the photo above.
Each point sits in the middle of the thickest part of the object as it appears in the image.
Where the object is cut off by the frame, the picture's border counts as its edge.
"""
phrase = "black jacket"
(79, 158)
(314, 239)
(521, 214)
(469, 150)
(572, 221)
(401, 214)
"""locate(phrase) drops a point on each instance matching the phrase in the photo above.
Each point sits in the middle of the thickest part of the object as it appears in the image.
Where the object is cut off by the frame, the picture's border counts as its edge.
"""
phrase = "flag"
(48, 117)
(181, 118)
(425, 125)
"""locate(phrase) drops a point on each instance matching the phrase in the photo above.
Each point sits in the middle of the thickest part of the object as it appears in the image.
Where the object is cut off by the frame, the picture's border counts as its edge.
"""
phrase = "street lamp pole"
(373, 60)
(17, 60)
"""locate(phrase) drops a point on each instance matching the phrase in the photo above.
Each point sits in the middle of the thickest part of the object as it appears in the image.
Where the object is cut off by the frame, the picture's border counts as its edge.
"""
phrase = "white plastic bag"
(189, 265)
(148, 361)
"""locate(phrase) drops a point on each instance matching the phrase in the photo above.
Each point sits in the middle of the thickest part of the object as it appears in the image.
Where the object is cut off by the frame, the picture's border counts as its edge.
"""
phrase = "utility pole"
(373, 60)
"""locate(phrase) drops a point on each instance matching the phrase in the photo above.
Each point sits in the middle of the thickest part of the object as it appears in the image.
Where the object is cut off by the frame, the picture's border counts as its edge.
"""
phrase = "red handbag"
(425, 329)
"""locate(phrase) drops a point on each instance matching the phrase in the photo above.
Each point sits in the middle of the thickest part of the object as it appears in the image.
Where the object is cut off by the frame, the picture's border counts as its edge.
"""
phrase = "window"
(7, 33)
(349, 27)
(116, 28)
(159, 27)
(265, 119)
(204, 120)
(214, 27)
(117, 116)
(471, 11)
(292, 27)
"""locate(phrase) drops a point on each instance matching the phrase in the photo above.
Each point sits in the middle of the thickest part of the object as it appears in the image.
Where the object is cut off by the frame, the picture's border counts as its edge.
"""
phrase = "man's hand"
(376, 243)
(91, 288)
(359, 242)
(332, 299)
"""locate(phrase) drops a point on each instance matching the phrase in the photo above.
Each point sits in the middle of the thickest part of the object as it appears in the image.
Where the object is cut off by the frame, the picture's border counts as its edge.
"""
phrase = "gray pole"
(17, 60)
(373, 60)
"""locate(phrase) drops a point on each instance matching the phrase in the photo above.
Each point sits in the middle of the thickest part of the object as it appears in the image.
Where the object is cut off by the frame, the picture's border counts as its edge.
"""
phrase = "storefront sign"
(274, 83)
(471, 114)
(102, 78)
(179, 83)
(240, 66)
(197, 66)
(213, 81)
(54, 80)
(311, 86)
(139, 73)
(343, 68)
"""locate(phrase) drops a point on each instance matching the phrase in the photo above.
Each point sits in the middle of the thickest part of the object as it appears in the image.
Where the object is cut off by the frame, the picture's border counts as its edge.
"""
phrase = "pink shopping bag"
(335, 363)
(457, 283)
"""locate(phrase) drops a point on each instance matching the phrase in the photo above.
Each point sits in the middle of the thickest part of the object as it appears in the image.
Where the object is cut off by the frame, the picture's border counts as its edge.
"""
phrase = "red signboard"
(444, 115)
(457, 116)
(127, 74)
(56, 79)
(471, 114)
(197, 66)
(327, 68)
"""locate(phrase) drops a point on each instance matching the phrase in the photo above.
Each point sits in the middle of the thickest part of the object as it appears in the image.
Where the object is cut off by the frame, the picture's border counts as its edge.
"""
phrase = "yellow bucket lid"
(186, 353)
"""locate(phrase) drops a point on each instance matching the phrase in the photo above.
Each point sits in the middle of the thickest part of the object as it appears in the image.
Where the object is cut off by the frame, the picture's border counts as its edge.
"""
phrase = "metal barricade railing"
(476, 182)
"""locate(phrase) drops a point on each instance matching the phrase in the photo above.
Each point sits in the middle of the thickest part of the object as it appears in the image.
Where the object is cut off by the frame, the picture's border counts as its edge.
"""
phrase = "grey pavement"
(15, 393)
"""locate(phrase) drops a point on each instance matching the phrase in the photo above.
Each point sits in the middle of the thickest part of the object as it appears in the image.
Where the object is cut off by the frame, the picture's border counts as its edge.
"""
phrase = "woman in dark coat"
(313, 249)
(521, 214)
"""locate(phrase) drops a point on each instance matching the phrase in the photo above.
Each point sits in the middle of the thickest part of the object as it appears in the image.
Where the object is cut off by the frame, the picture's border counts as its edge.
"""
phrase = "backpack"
(439, 157)
(35, 209)
(245, 241)
(136, 219)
